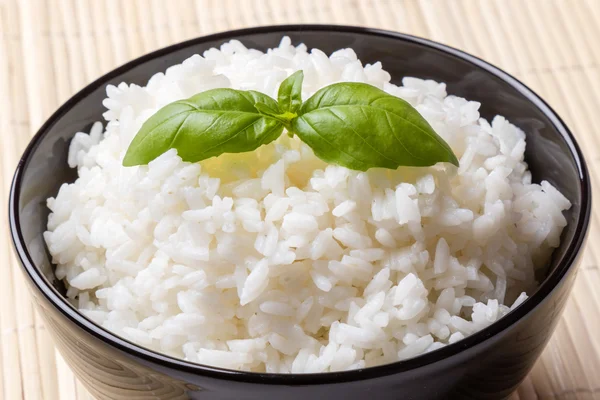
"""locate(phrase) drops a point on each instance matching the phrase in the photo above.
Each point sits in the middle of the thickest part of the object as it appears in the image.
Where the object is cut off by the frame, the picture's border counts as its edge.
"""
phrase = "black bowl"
(488, 365)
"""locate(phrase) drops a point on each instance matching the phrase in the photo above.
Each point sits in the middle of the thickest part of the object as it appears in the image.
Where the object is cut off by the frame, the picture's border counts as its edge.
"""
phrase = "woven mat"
(50, 49)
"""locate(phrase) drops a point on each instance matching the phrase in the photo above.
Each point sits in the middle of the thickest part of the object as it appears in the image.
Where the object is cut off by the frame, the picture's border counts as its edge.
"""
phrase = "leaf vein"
(232, 136)
(434, 137)
(387, 118)
(160, 124)
(328, 142)
(351, 128)
(178, 130)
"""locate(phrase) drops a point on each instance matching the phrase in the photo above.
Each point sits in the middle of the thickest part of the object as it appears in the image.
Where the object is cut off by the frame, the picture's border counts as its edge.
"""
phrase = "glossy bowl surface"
(488, 365)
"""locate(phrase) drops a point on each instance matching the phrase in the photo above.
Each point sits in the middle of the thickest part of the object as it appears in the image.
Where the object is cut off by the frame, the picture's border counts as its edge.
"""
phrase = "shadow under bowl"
(487, 365)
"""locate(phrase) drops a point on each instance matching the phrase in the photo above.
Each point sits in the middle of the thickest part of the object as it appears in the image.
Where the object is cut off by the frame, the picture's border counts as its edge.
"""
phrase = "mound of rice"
(274, 261)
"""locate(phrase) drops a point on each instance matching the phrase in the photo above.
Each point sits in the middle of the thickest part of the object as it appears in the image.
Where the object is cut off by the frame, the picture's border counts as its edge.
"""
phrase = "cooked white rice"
(274, 261)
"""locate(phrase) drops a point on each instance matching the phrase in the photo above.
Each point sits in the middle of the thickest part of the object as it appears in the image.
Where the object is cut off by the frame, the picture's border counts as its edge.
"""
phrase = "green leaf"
(289, 95)
(206, 125)
(358, 126)
(284, 117)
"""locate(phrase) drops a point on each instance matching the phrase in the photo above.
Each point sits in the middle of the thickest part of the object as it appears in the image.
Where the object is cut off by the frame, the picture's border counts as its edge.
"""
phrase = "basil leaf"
(284, 118)
(359, 126)
(206, 125)
(289, 95)
(267, 110)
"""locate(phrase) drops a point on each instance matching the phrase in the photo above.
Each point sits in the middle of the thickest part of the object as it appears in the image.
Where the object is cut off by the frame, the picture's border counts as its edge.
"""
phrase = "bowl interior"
(551, 153)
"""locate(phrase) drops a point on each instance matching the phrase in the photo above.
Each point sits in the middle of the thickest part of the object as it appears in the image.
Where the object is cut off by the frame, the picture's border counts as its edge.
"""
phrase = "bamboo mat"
(50, 49)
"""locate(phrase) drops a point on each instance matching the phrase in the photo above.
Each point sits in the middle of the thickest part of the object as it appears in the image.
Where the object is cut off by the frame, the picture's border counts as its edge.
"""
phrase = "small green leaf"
(289, 95)
(206, 125)
(358, 126)
(266, 109)
(284, 118)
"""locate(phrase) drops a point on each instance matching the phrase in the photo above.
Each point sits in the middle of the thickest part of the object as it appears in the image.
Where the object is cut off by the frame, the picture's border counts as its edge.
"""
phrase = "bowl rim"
(132, 349)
